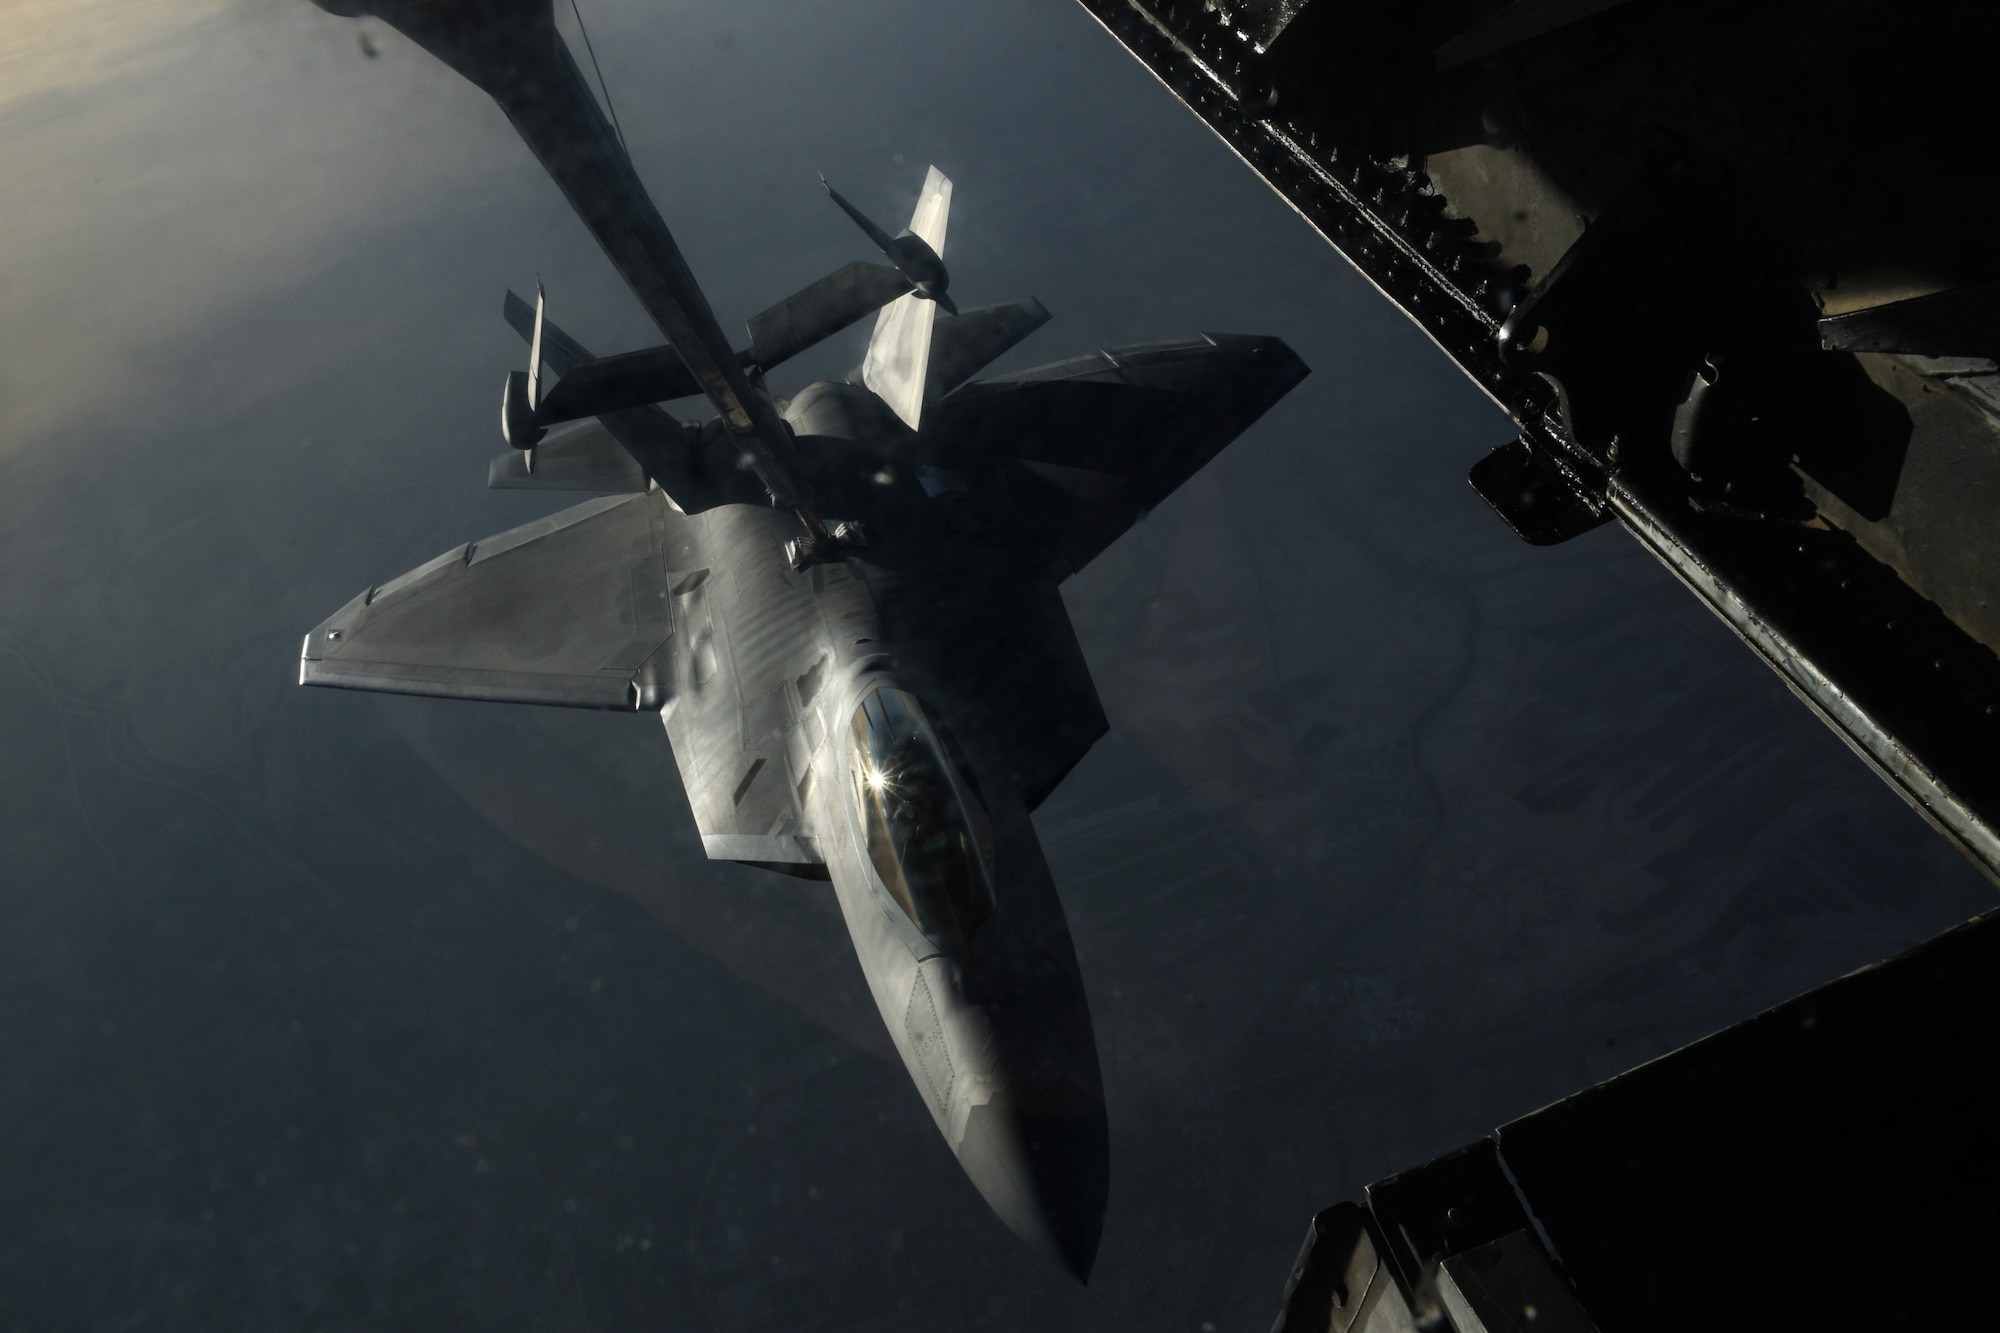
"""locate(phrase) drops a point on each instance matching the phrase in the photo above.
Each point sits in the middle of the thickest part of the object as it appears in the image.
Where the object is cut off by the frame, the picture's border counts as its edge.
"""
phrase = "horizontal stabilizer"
(584, 457)
(962, 347)
(822, 310)
(571, 609)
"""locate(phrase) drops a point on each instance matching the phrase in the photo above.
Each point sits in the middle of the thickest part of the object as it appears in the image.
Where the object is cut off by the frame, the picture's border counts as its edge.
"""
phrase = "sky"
(332, 1011)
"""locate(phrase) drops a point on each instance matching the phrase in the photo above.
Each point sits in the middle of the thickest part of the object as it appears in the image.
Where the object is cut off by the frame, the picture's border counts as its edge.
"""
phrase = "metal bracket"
(1534, 497)
(804, 552)
(1607, 326)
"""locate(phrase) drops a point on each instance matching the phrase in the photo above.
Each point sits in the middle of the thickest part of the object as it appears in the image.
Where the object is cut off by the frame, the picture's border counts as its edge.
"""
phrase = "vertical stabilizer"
(899, 352)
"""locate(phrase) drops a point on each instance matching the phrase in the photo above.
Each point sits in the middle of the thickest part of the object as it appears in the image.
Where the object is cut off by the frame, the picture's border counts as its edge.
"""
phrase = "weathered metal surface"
(1340, 1284)
(1640, 228)
(1962, 322)
(1798, 1170)
(1508, 1286)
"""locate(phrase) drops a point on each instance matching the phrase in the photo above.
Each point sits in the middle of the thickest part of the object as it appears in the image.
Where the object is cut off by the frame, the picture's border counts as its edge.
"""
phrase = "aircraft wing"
(1042, 696)
(1112, 435)
(965, 344)
(571, 609)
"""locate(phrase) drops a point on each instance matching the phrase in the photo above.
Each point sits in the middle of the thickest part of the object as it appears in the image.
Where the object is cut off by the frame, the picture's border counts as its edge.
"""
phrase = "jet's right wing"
(966, 344)
(1109, 436)
(571, 609)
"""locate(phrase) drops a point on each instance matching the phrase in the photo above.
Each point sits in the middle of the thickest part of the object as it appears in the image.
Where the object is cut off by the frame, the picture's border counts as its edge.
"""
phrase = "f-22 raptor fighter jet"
(844, 606)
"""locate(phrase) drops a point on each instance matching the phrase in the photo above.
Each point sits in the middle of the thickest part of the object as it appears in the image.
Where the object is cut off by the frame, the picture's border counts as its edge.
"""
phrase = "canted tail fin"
(899, 352)
(933, 210)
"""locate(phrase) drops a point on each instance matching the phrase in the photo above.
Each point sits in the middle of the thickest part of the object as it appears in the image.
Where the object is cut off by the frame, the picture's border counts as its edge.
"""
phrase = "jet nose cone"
(1043, 1164)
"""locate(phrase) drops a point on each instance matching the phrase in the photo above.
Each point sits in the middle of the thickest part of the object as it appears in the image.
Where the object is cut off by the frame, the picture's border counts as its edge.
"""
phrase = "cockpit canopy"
(928, 836)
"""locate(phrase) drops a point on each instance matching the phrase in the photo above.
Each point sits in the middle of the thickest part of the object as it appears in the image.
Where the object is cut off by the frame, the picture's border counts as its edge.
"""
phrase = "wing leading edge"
(571, 609)
(1112, 435)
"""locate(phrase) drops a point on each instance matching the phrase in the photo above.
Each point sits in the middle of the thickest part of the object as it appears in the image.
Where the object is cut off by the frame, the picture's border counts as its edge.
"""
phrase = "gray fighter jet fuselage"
(844, 606)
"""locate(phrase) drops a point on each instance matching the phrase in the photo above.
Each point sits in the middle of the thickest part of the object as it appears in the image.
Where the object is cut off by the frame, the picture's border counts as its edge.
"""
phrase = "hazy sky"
(327, 1011)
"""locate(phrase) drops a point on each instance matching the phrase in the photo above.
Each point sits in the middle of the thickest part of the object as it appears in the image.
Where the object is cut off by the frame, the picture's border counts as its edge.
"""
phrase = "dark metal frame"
(1908, 688)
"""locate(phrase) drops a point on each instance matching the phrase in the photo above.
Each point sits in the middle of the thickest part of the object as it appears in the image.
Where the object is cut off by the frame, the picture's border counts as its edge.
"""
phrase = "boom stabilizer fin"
(594, 386)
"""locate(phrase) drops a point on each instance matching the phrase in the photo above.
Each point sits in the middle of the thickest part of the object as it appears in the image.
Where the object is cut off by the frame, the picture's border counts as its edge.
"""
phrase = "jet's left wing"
(571, 609)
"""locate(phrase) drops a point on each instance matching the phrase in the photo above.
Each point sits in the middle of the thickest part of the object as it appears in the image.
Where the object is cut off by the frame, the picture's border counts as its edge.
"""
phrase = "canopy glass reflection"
(928, 836)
